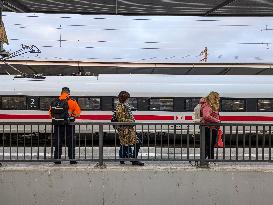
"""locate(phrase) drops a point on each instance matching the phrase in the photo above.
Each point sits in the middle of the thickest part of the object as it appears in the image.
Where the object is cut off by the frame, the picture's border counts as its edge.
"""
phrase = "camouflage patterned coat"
(127, 134)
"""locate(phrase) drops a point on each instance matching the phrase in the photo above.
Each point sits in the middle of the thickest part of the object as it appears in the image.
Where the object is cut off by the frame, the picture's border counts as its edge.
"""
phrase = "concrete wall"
(82, 185)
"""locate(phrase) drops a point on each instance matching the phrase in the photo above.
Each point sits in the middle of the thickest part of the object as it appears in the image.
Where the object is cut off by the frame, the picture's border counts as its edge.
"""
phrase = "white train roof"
(142, 85)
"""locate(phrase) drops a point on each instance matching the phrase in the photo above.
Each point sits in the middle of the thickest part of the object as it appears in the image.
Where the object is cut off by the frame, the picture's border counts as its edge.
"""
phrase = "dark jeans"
(64, 134)
(210, 140)
(129, 151)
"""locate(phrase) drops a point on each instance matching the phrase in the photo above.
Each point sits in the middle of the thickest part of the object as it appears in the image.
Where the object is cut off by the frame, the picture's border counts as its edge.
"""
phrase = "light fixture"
(142, 19)
(150, 48)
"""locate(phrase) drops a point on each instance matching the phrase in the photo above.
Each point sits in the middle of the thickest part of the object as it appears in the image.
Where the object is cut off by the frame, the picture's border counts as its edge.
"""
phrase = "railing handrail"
(171, 133)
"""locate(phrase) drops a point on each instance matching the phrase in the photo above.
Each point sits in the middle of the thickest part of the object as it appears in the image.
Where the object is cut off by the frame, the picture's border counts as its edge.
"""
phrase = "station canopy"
(69, 68)
(145, 7)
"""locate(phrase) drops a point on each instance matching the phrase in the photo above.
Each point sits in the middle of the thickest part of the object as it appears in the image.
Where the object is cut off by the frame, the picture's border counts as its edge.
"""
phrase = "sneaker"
(73, 162)
(58, 162)
(137, 163)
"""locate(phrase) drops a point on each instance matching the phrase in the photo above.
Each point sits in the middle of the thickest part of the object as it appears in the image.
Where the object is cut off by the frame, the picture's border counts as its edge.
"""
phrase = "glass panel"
(233, 105)
(131, 101)
(89, 103)
(191, 103)
(265, 105)
(14, 103)
(161, 104)
(45, 102)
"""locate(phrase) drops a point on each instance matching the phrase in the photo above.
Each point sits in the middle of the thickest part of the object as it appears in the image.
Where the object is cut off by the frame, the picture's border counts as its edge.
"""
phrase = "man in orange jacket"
(63, 131)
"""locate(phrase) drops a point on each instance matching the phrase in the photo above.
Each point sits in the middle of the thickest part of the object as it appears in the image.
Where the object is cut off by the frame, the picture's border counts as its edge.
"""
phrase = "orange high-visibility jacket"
(74, 109)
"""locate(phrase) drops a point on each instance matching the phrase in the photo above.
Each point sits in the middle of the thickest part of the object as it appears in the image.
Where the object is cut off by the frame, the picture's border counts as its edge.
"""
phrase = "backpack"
(114, 119)
(59, 112)
(197, 113)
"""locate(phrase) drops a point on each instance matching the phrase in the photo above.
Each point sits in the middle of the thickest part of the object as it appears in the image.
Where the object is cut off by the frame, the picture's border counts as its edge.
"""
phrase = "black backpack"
(59, 112)
(114, 119)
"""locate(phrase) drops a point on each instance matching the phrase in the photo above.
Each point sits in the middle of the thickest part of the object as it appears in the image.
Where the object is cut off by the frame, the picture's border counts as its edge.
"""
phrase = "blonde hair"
(214, 100)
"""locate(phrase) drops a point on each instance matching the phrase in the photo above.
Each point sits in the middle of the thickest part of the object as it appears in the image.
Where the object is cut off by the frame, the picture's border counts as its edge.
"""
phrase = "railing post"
(101, 164)
(203, 163)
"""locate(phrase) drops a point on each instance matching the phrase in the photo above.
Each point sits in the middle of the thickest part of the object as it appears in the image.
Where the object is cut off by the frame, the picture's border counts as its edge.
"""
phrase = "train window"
(161, 104)
(14, 103)
(89, 103)
(190, 103)
(233, 105)
(131, 101)
(45, 102)
(265, 105)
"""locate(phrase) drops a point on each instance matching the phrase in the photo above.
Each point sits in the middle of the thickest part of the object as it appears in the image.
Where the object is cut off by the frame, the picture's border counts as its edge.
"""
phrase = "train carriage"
(154, 98)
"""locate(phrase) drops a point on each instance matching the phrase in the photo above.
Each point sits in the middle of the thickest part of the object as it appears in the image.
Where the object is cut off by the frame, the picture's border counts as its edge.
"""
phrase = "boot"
(137, 163)
(73, 162)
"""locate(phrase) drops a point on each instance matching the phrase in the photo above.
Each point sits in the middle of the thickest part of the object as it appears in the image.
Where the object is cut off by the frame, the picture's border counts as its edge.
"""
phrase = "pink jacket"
(207, 114)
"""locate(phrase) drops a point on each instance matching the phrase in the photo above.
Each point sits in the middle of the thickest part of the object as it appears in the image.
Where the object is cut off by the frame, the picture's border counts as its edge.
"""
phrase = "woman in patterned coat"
(127, 134)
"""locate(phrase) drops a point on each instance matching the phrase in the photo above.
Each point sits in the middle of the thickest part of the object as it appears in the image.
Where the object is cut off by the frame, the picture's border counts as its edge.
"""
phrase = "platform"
(154, 183)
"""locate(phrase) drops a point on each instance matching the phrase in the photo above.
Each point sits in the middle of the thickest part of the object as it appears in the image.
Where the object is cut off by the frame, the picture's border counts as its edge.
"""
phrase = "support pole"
(203, 163)
(100, 163)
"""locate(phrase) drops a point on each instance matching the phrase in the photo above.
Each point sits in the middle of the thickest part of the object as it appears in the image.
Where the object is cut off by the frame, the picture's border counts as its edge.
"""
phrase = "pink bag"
(219, 142)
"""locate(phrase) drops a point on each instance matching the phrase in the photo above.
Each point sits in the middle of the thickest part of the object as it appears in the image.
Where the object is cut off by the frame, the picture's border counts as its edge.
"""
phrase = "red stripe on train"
(137, 117)
(84, 117)
(153, 117)
(188, 117)
(240, 118)
(23, 117)
(246, 118)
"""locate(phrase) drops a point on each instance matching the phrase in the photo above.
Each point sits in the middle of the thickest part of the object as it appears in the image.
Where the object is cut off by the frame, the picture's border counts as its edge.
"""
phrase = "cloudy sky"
(170, 39)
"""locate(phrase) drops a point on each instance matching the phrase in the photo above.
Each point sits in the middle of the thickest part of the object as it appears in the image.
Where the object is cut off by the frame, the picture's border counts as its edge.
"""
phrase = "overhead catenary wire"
(25, 49)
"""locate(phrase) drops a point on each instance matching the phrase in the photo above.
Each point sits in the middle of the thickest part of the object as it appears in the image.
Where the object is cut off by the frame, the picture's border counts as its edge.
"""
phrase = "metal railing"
(99, 142)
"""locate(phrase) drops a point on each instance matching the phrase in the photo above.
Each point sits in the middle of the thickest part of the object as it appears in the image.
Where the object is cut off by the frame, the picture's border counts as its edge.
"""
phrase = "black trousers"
(129, 151)
(64, 134)
(210, 140)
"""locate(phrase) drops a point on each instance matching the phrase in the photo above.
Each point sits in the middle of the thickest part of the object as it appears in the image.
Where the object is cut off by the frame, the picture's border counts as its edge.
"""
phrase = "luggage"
(219, 142)
(197, 113)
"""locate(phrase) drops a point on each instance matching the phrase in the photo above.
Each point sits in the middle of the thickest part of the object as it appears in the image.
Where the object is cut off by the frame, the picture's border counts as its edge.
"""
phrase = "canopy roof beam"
(15, 6)
(223, 4)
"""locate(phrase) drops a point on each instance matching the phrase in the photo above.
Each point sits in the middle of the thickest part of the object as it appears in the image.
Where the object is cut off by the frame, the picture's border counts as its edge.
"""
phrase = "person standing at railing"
(64, 110)
(210, 114)
(127, 134)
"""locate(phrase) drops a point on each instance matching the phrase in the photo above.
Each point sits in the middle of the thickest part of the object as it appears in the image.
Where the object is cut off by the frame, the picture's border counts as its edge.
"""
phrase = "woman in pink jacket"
(210, 114)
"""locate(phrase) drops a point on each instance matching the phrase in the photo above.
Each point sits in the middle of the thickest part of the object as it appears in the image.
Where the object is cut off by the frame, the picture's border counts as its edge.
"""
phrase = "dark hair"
(123, 96)
(65, 90)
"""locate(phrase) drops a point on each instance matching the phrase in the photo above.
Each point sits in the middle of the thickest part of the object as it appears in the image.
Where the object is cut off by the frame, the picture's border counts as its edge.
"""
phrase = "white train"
(155, 98)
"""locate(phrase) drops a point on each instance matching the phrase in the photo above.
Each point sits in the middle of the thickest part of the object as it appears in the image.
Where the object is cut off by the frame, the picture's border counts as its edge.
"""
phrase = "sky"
(143, 39)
